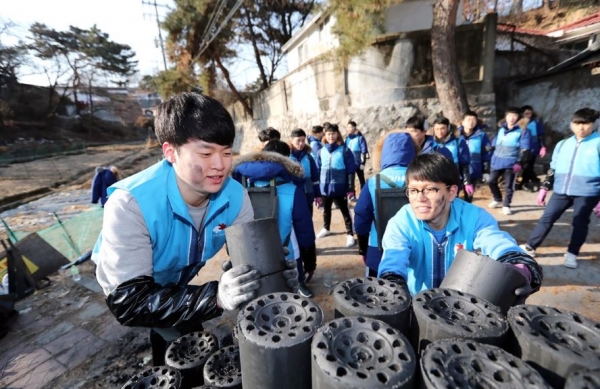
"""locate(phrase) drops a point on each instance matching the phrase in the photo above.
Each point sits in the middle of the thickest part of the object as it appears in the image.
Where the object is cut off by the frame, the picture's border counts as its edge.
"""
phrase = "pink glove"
(318, 202)
(524, 270)
(543, 152)
(469, 189)
(351, 196)
(597, 210)
(516, 168)
(541, 199)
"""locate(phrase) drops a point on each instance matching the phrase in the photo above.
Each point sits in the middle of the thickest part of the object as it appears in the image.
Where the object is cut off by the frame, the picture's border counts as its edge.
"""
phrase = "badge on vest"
(458, 246)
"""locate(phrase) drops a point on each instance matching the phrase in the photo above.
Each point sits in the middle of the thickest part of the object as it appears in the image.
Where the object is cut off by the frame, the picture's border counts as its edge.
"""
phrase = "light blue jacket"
(179, 250)
(410, 250)
(576, 166)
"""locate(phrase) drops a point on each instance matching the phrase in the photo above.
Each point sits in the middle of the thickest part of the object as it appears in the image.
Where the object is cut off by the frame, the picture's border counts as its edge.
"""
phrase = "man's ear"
(453, 192)
(169, 152)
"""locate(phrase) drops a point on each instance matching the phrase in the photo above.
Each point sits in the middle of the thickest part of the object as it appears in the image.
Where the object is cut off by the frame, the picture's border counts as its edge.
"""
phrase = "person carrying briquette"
(394, 152)
(511, 147)
(480, 148)
(301, 153)
(162, 224)
(574, 175)
(273, 166)
(337, 168)
(453, 145)
(357, 144)
(421, 240)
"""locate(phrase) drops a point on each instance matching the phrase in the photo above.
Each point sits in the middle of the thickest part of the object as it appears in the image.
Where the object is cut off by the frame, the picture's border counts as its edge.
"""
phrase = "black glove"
(396, 278)
(141, 302)
(537, 274)
(363, 243)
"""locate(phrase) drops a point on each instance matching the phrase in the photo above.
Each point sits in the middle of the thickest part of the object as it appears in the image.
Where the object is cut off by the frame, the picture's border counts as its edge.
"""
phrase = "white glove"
(485, 177)
(237, 286)
(362, 167)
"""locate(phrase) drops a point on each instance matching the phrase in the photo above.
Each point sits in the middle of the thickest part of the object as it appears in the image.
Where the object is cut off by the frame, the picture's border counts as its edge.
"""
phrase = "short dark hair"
(442, 120)
(297, 133)
(316, 129)
(417, 122)
(432, 167)
(332, 127)
(192, 116)
(269, 134)
(352, 123)
(279, 147)
(585, 115)
(526, 107)
(326, 124)
(470, 113)
(512, 110)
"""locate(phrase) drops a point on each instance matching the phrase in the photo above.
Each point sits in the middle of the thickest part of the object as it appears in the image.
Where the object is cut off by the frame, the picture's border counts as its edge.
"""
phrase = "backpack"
(388, 202)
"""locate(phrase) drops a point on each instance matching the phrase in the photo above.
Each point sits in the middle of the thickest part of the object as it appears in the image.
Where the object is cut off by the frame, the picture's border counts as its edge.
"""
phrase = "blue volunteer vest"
(333, 168)
(285, 201)
(305, 163)
(397, 174)
(475, 143)
(179, 250)
(507, 143)
(577, 166)
(353, 144)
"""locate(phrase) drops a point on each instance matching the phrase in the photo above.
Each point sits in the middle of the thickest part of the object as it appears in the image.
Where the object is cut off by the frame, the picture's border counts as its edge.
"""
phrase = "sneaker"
(570, 260)
(323, 233)
(506, 211)
(528, 249)
(494, 204)
(349, 240)
(303, 290)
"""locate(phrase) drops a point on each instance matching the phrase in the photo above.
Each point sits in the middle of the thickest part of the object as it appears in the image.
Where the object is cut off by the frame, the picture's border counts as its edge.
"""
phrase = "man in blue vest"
(301, 153)
(267, 135)
(480, 148)
(293, 217)
(357, 144)
(420, 242)
(537, 147)
(575, 176)
(415, 127)
(511, 147)
(162, 224)
(454, 146)
(395, 152)
(314, 140)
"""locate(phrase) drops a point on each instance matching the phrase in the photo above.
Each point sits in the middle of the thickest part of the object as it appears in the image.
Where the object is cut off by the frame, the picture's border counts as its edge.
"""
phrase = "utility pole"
(160, 38)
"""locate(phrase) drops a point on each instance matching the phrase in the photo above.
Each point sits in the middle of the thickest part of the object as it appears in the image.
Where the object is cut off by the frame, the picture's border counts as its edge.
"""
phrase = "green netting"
(75, 236)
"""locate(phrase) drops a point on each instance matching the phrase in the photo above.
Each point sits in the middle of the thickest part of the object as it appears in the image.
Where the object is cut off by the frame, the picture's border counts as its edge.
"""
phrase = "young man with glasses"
(420, 242)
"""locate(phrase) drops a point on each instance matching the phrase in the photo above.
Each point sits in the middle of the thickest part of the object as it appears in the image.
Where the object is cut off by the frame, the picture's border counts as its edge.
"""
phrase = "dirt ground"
(64, 336)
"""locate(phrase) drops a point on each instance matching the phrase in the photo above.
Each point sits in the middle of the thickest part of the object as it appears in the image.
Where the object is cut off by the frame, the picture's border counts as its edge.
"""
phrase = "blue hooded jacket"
(336, 163)
(293, 213)
(103, 178)
(397, 151)
(429, 145)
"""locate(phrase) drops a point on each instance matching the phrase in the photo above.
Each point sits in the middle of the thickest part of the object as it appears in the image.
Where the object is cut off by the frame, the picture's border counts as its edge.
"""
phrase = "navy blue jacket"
(315, 144)
(311, 177)
(100, 183)
(337, 180)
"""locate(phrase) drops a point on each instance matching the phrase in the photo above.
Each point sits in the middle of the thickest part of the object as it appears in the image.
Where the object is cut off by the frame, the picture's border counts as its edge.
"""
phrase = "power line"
(160, 38)
(204, 45)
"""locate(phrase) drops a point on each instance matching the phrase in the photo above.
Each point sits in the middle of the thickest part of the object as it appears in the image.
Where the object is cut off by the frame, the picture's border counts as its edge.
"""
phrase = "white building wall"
(316, 41)
(413, 16)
